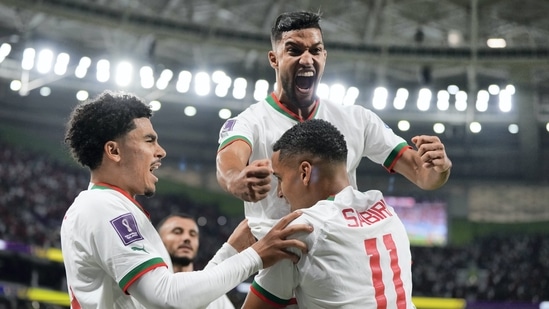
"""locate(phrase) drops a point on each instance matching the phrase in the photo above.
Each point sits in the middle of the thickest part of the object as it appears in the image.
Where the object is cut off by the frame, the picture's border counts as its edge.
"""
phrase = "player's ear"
(305, 169)
(272, 59)
(112, 150)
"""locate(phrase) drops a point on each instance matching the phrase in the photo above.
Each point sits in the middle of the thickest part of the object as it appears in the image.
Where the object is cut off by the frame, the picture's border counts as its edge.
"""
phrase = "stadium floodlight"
(399, 102)
(202, 83)
(424, 99)
(103, 73)
(224, 113)
(439, 128)
(61, 64)
(146, 76)
(350, 96)
(239, 88)
(184, 81)
(16, 85)
(513, 128)
(82, 67)
(403, 125)
(44, 61)
(164, 79)
(379, 100)
(443, 100)
(155, 105)
(45, 91)
(482, 100)
(461, 101)
(124, 73)
(261, 89)
(452, 89)
(82, 95)
(505, 103)
(493, 89)
(5, 50)
(27, 63)
(323, 91)
(337, 92)
(475, 127)
(190, 111)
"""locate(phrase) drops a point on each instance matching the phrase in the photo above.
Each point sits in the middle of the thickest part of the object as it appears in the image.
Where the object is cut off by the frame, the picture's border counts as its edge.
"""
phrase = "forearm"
(160, 288)
(225, 252)
(429, 179)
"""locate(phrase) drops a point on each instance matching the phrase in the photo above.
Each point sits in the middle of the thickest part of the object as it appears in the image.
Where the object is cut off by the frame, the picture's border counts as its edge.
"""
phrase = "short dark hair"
(317, 137)
(104, 118)
(289, 21)
(178, 215)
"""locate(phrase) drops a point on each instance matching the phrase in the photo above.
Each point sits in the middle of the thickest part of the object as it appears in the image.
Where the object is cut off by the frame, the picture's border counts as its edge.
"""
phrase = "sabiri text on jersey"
(374, 214)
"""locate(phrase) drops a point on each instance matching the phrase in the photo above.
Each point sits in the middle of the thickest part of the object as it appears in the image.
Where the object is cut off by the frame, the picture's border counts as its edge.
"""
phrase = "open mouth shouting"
(304, 82)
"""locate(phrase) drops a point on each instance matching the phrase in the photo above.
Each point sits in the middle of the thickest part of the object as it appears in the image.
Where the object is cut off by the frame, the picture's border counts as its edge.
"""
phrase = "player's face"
(140, 155)
(299, 59)
(180, 237)
(290, 182)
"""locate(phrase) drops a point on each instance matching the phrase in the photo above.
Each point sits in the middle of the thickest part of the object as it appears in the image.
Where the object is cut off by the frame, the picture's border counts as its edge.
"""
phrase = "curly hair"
(317, 137)
(104, 118)
(294, 21)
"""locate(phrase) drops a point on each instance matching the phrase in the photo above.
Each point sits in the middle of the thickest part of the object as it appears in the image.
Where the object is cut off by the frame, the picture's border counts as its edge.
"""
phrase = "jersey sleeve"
(116, 240)
(382, 145)
(275, 285)
(237, 128)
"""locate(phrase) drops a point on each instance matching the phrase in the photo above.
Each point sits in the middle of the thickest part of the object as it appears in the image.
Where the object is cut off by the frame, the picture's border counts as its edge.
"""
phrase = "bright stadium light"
(239, 88)
(202, 83)
(27, 63)
(61, 64)
(261, 89)
(379, 101)
(403, 125)
(224, 113)
(184, 81)
(475, 127)
(399, 102)
(146, 75)
(190, 111)
(424, 99)
(103, 70)
(323, 91)
(124, 73)
(82, 68)
(439, 128)
(164, 79)
(44, 61)
(82, 95)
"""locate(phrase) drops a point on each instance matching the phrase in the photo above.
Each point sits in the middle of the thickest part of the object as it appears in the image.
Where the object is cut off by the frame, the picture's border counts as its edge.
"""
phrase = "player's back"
(359, 255)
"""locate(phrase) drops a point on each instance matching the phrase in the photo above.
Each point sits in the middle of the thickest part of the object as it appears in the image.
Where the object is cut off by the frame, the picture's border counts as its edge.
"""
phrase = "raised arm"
(249, 182)
(428, 167)
(159, 288)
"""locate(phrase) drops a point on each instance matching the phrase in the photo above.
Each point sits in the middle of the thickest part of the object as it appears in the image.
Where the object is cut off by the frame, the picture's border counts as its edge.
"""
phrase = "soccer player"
(298, 57)
(359, 252)
(113, 255)
(181, 237)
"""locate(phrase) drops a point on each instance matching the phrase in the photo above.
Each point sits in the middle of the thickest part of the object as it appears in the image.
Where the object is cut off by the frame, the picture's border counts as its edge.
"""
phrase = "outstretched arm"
(161, 288)
(249, 182)
(428, 167)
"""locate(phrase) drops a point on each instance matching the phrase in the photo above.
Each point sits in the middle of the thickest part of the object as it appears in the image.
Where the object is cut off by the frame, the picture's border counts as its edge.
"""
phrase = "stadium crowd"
(35, 191)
